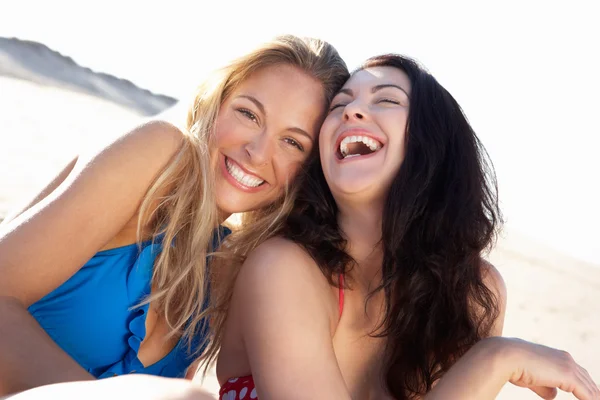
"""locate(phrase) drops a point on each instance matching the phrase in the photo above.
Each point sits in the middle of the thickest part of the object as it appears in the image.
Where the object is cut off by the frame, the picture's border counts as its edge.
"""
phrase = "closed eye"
(338, 105)
(248, 114)
(389, 101)
(294, 143)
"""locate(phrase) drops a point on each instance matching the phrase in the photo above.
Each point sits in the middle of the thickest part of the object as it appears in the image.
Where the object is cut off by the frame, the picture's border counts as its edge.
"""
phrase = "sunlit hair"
(440, 214)
(180, 205)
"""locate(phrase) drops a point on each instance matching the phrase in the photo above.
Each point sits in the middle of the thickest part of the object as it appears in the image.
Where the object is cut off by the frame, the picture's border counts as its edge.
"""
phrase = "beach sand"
(553, 299)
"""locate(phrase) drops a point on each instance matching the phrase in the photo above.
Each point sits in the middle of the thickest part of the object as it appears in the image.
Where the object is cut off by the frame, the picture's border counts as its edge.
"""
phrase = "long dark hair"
(441, 213)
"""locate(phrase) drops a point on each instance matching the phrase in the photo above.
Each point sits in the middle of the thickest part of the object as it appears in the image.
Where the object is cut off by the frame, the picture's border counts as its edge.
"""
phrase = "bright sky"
(526, 74)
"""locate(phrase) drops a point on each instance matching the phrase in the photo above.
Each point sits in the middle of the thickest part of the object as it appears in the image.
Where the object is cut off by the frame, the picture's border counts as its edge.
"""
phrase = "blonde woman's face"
(264, 133)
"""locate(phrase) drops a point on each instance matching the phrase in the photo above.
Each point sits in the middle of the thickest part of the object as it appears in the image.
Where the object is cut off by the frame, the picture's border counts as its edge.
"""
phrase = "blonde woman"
(104, 273)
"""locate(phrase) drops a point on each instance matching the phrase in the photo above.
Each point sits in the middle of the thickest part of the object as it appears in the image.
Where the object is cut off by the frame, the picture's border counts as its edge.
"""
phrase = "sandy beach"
(553, 299)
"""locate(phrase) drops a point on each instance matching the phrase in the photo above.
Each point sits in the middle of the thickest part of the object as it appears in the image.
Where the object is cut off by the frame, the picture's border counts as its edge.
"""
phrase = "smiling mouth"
(241, 176)
(356, 146)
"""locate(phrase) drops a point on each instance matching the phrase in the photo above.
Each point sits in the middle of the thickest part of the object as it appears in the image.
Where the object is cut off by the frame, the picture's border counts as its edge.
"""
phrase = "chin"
(229, 203)
(350, 184)
(354, 193)
(358, 191)
(235, 205)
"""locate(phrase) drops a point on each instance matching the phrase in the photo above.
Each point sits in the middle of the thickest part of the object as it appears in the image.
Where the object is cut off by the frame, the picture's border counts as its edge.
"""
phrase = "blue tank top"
(93, 315)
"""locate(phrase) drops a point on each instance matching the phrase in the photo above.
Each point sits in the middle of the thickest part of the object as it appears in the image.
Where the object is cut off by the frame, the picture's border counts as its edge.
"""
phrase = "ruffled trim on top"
(138, 288)
(139, 281)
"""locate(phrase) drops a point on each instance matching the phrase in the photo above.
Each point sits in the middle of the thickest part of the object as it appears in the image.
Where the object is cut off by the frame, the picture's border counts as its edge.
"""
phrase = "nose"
(259, 149)
(354, 111)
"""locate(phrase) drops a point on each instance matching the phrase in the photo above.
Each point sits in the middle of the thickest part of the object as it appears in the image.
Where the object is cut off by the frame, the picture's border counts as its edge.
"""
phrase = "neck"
(223, 216)
(361, 226)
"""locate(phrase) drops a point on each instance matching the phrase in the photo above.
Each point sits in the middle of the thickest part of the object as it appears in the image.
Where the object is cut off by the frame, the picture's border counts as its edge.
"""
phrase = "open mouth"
(356, 146)
(240, 176)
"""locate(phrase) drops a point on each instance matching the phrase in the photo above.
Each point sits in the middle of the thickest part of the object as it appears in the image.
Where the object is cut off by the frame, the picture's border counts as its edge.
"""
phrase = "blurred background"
(73, 74)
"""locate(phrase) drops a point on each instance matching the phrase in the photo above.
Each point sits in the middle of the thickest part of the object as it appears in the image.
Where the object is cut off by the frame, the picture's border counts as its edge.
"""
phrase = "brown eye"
(294, 143)
(248, 114)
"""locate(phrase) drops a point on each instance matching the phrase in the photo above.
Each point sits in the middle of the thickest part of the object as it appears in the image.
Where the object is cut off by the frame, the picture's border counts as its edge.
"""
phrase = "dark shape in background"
(35, 62)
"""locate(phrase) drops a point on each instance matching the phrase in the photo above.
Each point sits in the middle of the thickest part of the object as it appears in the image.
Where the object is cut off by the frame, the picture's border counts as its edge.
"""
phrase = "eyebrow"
(388, 85)
(256, 102)
(302, 132)
(260, 106)
(376, 89)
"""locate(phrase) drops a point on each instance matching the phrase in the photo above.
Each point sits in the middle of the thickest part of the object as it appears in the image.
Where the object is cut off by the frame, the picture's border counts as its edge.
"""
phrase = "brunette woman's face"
(362, 140)
(264, 132)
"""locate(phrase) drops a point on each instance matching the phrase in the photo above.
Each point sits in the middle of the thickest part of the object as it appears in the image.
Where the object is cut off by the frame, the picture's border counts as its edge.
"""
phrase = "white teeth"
(241, 176)
(373, 144)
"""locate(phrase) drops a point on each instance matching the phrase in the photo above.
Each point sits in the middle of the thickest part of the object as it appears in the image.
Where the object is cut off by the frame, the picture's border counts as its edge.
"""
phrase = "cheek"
(327, 130)
(397, 140)
(286, 171)
(397, 127)
(226, 134)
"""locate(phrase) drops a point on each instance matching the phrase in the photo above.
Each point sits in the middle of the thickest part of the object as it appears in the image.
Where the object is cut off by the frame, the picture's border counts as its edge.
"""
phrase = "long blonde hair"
(181, 206)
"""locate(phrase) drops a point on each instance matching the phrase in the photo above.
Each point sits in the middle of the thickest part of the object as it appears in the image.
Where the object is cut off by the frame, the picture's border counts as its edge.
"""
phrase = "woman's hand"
(544, 370)
(483, 370)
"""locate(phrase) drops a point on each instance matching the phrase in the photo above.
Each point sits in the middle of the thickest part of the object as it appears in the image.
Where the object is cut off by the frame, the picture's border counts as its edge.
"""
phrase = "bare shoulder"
(160, 130)
(282, 259)
(282, 271)
(149, 145)
(278, 248)
(495, 283)
(493, 280)
(158, 136)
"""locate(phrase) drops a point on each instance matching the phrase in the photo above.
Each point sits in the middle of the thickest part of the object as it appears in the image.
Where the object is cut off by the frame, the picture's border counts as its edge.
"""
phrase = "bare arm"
(48, 243)
(489, 365)
(479, 375)
(285, 321)
(130, 386)
(495, 283)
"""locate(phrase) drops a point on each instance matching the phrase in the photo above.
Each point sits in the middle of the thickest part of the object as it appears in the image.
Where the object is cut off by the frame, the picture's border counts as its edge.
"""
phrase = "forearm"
(28, 356)
(135, 386)
(479, 375)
